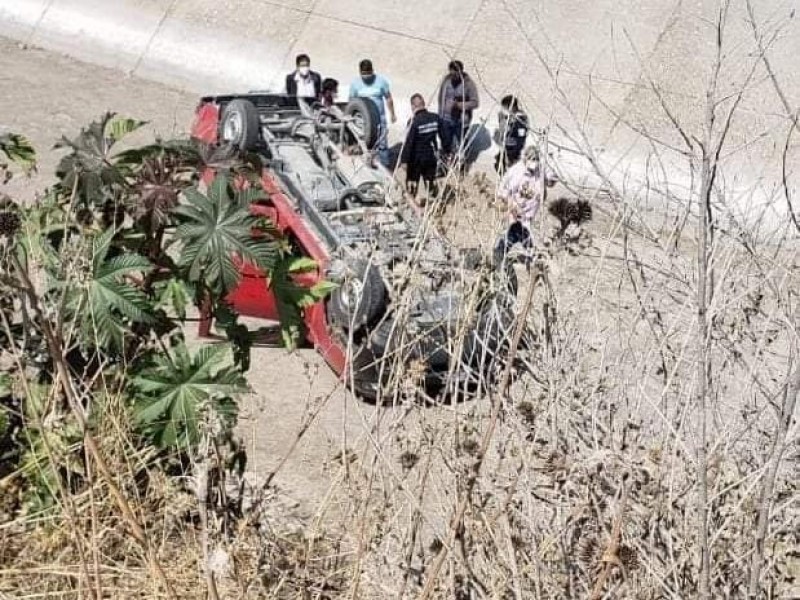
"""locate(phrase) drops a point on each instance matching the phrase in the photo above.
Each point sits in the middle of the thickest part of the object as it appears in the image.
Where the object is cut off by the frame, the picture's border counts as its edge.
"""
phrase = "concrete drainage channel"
(147, 38)
(223, 46)
(213, 46)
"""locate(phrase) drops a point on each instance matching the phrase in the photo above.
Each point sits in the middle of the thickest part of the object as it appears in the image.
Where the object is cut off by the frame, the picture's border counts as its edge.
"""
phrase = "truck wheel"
(240, 125)
(371, 367)
(360, 299)
(487, 344)
(366, 120)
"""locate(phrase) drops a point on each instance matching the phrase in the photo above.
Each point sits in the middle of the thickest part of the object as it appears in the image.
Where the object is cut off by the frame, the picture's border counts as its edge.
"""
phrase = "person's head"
(331, 86)
(510, 103)
(417, 102)
(303, 63)
(531, 158)
(456, 71)
(367, 71)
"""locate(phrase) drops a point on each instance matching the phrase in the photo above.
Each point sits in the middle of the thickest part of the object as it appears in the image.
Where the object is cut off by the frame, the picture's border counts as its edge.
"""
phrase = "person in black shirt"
(511, 133)
(420, 152)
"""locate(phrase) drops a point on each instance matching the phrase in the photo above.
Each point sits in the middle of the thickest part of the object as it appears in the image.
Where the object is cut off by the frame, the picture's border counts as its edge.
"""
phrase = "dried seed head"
(527, 411)
(84, 216)
(628, 557)
(589, 552)
(470, 446)
(408, 460)
(9, 223)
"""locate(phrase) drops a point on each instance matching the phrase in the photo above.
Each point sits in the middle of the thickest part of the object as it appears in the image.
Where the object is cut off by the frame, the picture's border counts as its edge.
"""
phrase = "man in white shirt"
(520, 190)
(303, 82)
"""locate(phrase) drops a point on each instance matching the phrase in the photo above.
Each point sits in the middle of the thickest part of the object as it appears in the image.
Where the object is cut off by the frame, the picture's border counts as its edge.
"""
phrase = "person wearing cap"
(303, 82)
(377, 88)
(420, 154)
(520, 191)
(458, 97)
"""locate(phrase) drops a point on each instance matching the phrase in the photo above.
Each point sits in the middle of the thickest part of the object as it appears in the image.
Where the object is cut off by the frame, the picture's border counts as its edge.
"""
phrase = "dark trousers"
(506, 158)
(516, 233)
(425, 171)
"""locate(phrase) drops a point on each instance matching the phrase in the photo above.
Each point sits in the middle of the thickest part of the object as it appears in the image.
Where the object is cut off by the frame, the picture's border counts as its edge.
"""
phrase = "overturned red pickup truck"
(405, 295)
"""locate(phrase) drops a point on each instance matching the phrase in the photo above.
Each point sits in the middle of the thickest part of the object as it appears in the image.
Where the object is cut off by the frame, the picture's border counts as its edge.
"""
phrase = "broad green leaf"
(302, 265)
(176, 296)
(322, 290)
(291, 298)
(107, 303)
(119, 127)
(215, 232)
(173, 394)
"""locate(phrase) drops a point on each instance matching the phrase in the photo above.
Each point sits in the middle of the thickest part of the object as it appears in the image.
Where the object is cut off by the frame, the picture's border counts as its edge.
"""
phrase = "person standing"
(303, 82)
(420, 154)
(520, 190)
(512, 131)
(458, 98)
(376, 87)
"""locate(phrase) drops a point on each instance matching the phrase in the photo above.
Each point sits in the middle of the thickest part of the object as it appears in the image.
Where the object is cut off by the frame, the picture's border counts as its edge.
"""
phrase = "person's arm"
(446, 139)
(471, 98)
(390, 106)
(317, 84)
(408, 144)
(506, 186)
(551, 179)
(289, 83)
(352, 93)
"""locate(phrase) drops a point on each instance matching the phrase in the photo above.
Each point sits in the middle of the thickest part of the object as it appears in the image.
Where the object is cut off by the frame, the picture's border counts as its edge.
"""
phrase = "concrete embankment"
(590, 65)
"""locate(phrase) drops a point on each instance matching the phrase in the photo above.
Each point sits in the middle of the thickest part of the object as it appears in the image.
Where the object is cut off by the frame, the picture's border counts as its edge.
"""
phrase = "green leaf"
(87, 168)
(175, 295)
(6, 383)
(322, 290)
(291, 298)
(18, 150)
(216, 233)
(118, 128)
(174, 393)
(107, 304)
(302, 264)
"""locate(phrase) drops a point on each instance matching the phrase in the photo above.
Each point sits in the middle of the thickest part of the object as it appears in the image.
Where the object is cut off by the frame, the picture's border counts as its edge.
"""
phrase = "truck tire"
(366, 119)
(370, 371)
(239, 125)
(487, 344)
(360, 299)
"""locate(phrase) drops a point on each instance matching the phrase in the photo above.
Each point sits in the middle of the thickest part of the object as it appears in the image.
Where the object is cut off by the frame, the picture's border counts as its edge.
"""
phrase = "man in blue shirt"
(376, 88)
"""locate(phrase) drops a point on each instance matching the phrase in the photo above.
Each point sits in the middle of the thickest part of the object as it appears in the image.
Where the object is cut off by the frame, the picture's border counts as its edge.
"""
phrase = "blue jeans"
(454, 129)
(383, 143)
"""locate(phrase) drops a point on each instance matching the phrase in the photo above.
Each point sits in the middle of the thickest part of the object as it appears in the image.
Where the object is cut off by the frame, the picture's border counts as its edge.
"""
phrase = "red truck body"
(253, 296)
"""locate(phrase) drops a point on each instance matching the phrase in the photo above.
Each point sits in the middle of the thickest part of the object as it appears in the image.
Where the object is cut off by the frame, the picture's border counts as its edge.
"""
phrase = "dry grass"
(588, 483)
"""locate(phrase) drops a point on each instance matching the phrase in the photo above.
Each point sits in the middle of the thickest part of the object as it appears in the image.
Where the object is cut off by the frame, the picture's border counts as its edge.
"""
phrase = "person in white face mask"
(520, 190)
(303, 82)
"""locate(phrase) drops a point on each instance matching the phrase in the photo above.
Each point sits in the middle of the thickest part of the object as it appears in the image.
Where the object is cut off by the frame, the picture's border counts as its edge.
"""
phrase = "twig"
(610, 558)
